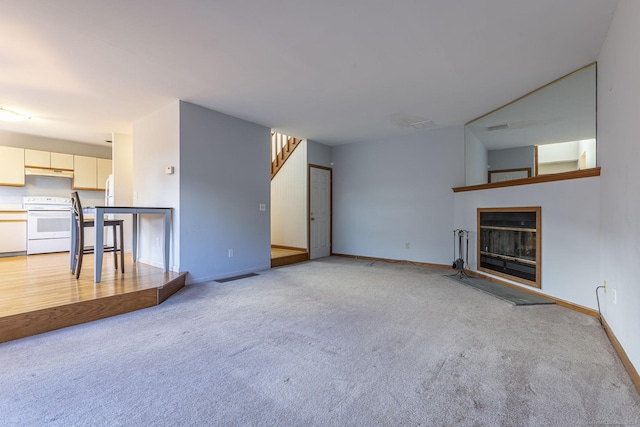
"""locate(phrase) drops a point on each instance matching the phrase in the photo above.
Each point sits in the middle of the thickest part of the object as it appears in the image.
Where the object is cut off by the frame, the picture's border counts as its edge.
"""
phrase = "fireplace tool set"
(463, 240)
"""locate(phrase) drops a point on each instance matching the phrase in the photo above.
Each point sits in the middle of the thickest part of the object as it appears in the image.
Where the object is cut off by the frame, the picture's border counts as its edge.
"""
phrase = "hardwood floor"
(286, 256)
(38, 293)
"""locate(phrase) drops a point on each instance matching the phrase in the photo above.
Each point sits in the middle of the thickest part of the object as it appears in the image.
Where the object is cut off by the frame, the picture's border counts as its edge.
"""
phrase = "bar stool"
(78, 249)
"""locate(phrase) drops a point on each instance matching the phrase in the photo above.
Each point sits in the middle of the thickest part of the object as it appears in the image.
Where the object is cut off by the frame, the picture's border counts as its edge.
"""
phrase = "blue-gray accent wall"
(392, 192)
(225, 176)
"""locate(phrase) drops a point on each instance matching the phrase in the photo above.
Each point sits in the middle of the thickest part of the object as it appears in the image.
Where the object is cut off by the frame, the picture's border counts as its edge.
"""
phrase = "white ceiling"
(335, 71)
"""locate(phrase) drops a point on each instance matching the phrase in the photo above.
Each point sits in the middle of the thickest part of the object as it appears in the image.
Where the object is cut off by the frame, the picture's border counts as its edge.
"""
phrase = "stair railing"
(282, 146)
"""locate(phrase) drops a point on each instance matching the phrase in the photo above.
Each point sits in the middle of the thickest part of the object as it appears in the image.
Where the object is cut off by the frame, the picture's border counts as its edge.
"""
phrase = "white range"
(48, 224)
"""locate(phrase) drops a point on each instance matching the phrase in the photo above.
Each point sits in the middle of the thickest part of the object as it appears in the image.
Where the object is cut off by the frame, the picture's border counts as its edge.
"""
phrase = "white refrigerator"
(108, 194)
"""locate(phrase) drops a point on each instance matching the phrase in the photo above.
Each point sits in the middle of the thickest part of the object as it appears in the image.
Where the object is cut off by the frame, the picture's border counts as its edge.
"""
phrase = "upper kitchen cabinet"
(90, 173)
(37, 158)
(62, 161)
(45, 159)
(12, 166)
(104, 168)
(84, 172)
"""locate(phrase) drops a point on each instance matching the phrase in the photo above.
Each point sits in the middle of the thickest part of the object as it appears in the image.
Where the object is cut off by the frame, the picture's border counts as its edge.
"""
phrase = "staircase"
(282, 147)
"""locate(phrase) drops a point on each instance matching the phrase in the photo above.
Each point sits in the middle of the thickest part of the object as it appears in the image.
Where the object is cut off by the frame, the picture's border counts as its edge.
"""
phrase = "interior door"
(319, 212)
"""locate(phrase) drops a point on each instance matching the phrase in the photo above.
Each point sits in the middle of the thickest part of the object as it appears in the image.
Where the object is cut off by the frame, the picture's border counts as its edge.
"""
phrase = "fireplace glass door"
(509, 243)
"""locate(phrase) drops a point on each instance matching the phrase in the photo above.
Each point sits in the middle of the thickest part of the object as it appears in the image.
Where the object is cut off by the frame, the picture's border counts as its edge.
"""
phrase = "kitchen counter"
(12, 208)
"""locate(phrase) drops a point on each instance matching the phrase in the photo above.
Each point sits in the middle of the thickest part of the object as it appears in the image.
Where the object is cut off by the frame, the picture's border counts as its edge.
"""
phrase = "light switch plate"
(263, 207)
(169, 170)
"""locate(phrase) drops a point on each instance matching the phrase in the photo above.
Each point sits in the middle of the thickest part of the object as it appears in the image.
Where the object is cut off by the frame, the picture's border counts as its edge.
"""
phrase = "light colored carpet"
(330, 342)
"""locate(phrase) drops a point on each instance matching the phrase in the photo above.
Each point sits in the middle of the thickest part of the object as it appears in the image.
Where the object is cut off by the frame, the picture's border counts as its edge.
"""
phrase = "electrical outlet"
(615, 296)
(230, 253)
(407, 245)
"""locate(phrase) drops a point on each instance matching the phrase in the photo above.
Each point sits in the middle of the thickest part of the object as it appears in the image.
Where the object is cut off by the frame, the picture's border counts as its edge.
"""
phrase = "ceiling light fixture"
(12, 116)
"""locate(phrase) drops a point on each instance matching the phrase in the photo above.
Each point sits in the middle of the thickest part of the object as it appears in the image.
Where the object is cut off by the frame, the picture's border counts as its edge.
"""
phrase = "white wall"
(557, 167)
(156, 144)
(570, 232)
(122, 149)
(588, 145)
(476, 160)
(318, 154)
(560, 152)
(289, 201)
(391, 192)
(34, 142)
(618, 154)
(225, 176)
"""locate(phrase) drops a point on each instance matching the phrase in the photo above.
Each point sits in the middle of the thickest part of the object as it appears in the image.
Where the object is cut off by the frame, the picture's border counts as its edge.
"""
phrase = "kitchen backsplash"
(47, 186)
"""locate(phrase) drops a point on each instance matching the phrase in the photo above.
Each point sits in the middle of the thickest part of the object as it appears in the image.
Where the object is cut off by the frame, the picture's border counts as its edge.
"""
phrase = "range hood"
(61, 173)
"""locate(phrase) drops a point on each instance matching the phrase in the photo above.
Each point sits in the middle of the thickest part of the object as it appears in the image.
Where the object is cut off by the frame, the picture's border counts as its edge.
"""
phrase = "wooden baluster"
(282, 146)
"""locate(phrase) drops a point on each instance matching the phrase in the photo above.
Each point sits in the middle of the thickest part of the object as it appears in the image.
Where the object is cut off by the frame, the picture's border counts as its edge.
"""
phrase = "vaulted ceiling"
(332, 71)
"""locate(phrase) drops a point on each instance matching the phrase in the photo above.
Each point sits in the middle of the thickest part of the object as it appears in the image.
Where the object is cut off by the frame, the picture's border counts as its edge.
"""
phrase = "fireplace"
(509, 243)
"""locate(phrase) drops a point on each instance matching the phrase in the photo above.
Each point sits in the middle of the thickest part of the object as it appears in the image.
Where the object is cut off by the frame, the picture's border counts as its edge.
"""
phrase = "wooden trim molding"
(584, 173)
(281, 150)
(575, 307)
(558, 301)
(490, 173)
(291, 248)
(626, 362)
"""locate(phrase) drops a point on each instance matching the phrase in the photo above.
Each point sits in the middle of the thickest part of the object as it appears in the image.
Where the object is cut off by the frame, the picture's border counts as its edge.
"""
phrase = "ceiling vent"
(404, 120)
(498, 127)
(424, 124)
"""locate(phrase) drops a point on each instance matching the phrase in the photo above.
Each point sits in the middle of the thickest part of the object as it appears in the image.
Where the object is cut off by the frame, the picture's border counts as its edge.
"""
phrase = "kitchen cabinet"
(61, 161)
(104, 168)
(84, 172)
(37, 158)
(12, 166)
(48, 160)
(13, 229)
(90, 173)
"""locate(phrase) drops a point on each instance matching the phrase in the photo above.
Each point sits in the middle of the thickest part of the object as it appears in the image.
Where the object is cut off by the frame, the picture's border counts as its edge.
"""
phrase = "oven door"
(54, 224)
